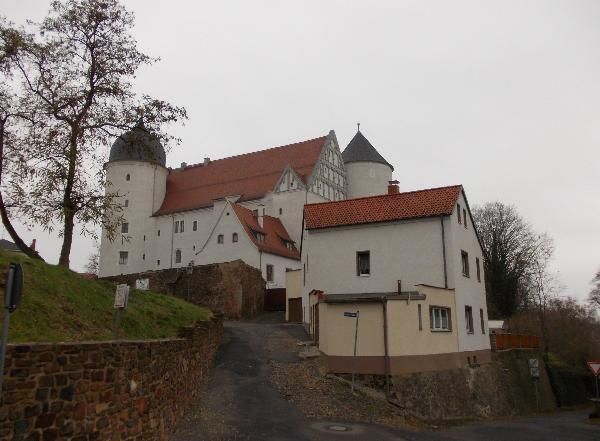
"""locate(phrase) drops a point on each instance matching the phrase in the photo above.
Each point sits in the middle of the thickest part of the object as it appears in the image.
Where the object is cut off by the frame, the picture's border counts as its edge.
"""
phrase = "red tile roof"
(274, 231)
(384, 208)
(251, 175)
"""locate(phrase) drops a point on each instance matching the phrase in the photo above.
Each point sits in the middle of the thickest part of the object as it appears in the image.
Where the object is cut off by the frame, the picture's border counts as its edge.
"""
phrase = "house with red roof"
(409, 267)
(247, 207)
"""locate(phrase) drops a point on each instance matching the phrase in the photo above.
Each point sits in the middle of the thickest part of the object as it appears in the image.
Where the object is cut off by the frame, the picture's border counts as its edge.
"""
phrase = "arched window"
(234, 237)
(128, 177)
(178, 256)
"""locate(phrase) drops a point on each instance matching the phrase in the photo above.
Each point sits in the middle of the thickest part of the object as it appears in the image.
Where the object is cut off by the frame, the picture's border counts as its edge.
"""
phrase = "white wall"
(469, 291)
(144, 192)
(367, 179)
(410, 251)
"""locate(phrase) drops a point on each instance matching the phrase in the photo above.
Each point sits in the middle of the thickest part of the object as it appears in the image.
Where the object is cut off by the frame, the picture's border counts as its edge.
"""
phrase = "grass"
(60, 305)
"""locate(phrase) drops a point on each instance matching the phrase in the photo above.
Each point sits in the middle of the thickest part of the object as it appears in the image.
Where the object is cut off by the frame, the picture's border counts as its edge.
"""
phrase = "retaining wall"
(115, 390)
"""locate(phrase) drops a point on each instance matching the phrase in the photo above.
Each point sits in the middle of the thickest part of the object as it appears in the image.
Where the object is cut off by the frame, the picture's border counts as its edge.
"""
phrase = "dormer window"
(260, 237)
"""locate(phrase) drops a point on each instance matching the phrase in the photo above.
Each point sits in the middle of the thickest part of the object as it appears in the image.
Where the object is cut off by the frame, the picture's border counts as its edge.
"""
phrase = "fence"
(501, 342)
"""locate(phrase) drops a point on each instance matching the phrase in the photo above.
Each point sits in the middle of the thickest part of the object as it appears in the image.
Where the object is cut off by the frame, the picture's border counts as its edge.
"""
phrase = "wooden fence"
(501, 342)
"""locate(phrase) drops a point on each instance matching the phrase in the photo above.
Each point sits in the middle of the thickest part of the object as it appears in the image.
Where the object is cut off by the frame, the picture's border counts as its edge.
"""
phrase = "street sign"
(350, 314)
(594, 367)
(534, 368)
(121, 296)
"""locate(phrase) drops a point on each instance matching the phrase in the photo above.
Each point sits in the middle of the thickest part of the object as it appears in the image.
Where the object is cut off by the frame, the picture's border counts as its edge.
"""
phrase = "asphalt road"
(240, 403)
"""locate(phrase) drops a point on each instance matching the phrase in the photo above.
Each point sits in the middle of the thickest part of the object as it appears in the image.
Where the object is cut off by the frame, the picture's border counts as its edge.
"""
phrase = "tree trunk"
(65, 251)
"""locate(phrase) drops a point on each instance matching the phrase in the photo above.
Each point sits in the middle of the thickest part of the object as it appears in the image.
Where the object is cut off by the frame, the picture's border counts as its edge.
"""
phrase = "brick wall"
(116, 390)
(233, 288)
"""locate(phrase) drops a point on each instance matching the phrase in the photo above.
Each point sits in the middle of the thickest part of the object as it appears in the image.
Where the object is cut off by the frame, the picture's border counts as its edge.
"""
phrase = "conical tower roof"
(138, 145)
(361, 150)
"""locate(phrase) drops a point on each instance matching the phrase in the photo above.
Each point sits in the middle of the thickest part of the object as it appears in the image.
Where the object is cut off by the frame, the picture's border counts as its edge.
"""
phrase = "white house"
(419, 252)
(244, 207)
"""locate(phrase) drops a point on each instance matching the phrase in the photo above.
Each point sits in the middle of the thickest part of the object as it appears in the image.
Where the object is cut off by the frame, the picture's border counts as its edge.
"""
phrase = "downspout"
(444, 252)
(172, 236)
(385, 348)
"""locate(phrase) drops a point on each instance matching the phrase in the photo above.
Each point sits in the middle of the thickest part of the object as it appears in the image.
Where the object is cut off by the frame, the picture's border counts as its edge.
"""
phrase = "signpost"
(354, 315)
(12, 299)
(534, 371)
(121, 299)
(595, 368)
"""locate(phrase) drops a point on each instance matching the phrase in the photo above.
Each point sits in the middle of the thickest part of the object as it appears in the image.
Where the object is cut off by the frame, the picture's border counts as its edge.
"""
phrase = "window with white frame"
(177, 256)
(125, 228)
(464, 258)
(181, 227)
(439, 317)
(195, 226)
(123, 257)
(176, 227)
(234, 237)
(269, 273)
(363, 263)
(220, 238)
(478, 269)
(469, 319)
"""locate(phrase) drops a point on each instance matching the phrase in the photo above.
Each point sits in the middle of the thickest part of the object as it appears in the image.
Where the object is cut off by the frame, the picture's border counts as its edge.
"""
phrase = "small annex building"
(410, 263)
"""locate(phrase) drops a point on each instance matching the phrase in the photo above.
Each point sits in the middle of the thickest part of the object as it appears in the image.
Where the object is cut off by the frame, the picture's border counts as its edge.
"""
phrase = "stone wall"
(233, 288)
(501, 388)
(115, 390)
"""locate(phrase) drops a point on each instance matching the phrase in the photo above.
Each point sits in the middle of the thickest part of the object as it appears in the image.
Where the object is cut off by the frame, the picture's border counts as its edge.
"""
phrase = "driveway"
(242, 403)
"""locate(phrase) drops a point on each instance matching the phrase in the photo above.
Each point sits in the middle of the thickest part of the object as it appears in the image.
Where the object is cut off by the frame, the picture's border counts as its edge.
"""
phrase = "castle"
(247, 207)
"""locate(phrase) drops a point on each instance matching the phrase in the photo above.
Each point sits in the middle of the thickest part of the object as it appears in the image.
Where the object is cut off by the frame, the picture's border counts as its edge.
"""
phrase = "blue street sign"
(349, 314)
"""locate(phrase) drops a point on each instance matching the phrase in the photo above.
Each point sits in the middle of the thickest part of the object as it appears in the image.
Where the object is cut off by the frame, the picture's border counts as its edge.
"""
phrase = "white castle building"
(247, 207)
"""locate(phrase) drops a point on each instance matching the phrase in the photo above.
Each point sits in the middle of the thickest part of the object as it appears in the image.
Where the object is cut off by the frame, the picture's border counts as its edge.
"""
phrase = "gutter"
(444, 252)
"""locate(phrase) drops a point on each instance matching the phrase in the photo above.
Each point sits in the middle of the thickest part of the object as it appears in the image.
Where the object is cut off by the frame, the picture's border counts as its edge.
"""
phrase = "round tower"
(367, 172)
(136, 171)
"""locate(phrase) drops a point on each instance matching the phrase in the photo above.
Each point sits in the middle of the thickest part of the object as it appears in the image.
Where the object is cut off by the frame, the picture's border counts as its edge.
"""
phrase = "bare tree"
(594, 297)
(77, 69)
(512, 251)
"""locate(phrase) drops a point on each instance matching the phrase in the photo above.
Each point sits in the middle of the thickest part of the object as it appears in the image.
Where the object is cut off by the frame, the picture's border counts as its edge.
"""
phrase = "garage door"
(295, 310)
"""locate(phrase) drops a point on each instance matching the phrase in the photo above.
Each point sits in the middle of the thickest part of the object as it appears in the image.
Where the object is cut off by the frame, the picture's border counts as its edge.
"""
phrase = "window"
(465, 217)
(159, 233)
(195, 226)
(458, 213)
(280, 211)
(144, 238)
(363, 263)
(482, 321)
(478, 269)
(464, 256)
(127, 202)
(260, 237)
(439, 318)
(469, 319)
(158, 262)
(420, 317)
(181, 227)
(128, 177)
(176, 227)
(269, 273)
(143, 256)
(123, 256)
(220, 238)
(124, 228)
(234, 237)
(177, 256)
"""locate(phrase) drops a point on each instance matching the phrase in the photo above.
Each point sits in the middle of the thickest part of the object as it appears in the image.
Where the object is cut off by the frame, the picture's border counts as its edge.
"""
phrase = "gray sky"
(500, 96)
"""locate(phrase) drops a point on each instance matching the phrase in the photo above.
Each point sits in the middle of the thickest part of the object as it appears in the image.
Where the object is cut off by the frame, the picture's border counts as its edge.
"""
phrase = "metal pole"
(7, 292)
(354, 358)
(597, 395)
(537, 397)
(118, 324)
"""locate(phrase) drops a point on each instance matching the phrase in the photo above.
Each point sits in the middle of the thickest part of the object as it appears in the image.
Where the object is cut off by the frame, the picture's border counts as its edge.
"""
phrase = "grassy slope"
(60, 305)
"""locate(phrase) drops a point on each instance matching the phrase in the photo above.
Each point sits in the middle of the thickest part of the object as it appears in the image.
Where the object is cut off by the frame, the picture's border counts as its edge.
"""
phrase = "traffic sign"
(534, 368)
(594, 367)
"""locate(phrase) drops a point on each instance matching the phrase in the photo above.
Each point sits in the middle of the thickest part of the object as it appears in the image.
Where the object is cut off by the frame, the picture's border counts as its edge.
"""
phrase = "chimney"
(206, 161)
(261, 214)
(32, 246)
(393, 187)
(183, 164)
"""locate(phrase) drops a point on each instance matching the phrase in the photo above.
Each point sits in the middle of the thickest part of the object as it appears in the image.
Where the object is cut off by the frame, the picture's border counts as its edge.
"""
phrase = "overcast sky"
(500, 96)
